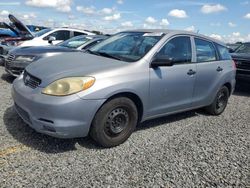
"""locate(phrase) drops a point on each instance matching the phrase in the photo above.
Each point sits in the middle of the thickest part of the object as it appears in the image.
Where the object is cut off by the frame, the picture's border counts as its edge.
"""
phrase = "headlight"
(68, 86)
(25, 58)
(12, 43)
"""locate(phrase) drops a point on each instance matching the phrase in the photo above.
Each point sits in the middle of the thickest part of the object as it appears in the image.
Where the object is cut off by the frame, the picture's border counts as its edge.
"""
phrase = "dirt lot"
(184, 150)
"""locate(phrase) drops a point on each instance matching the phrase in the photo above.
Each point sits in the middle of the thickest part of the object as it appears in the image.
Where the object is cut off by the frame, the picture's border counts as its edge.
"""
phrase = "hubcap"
(117, 121)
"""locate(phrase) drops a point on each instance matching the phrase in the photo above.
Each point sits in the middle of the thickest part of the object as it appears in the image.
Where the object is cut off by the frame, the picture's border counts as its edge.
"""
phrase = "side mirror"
(159, 62)
(51, 39)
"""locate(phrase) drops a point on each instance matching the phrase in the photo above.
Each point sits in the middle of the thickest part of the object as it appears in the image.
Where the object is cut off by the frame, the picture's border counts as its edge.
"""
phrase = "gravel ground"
(189, 149)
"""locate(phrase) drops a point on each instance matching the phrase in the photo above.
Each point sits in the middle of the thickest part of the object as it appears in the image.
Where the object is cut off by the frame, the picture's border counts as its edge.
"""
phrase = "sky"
(226, 20)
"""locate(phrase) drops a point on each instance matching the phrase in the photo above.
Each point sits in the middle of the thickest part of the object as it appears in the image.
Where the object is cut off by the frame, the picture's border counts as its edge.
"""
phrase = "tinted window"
(59, 35)
(40, 33)
(223, 51)
(91, 44)
(244, 48)
(177, 49)
(78, 33)
(75, 42)
(205, 51)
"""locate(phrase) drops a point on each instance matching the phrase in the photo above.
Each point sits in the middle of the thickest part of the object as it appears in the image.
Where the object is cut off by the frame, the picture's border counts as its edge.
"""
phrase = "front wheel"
(114, 122)
(220, 102)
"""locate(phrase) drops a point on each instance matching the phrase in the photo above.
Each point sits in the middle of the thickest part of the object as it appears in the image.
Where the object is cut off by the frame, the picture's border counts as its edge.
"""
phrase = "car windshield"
(40, 33)
(127, 46)
(75, 42)
(244, 48)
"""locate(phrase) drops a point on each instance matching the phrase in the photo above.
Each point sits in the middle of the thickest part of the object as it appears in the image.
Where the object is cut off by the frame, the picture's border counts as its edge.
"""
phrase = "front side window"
(244, 48)
(223, 51)
(59, 35)
(178, 50)
(205, 51)
(127, 46)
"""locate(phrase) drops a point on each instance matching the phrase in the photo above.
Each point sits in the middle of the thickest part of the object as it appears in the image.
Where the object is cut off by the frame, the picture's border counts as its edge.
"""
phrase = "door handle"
(191, 72)
(219, 69)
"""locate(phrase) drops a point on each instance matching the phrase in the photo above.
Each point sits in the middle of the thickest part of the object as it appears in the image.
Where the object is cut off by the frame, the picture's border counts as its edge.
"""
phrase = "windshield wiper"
(109, 56)
(103, 54)
(91, 52)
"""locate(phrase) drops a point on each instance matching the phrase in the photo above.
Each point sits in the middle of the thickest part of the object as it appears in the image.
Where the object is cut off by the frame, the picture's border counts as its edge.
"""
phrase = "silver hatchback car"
(130, 77)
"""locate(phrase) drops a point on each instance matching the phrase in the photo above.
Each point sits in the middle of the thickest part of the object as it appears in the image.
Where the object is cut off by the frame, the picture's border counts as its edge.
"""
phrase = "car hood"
(245, 56)
(52, 68)
(36, 50)
(23, 30)
(5, 29)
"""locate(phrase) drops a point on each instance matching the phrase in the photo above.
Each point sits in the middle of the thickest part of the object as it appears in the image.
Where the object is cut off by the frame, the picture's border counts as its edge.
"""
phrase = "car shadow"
(8, 78)
(21, 132)
(242, 89)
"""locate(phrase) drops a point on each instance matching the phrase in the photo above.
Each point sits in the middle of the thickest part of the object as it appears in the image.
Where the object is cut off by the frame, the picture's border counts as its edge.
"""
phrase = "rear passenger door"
(208, 72)
(171, 87)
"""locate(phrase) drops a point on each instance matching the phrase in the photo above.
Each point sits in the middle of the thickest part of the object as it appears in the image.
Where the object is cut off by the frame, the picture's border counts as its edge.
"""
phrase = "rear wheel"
(220, 102)
(114, 122)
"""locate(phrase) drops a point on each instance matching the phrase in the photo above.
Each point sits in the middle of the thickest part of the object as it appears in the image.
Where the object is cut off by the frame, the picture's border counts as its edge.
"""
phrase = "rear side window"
(205, 51)
(78, 33)
(223, 52)
(59, 35)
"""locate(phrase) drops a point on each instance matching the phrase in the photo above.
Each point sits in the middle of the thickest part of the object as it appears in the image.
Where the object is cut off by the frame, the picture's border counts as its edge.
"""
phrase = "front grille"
(243, 64)
(30, 80)
(10, 58)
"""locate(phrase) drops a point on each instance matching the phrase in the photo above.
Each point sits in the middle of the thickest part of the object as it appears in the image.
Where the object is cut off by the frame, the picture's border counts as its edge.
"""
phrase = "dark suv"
(241, 56)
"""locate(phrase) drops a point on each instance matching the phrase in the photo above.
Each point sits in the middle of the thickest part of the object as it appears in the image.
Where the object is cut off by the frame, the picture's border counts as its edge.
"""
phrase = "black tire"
(114, 122)
(220, 102)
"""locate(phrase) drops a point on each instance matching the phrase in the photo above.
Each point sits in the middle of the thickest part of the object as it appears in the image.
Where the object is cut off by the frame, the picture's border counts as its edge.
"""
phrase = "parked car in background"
(20, 57)
(3, 53)
(47, 37)
(7, 31)
(14, 33)
(241, 56)
(233, 47)
(130, 77)
(35, 28)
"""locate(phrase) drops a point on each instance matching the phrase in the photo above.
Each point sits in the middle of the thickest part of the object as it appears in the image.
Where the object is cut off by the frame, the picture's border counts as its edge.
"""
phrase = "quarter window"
(78, 33)
(223, 51)
(205, 51)
(177, 50)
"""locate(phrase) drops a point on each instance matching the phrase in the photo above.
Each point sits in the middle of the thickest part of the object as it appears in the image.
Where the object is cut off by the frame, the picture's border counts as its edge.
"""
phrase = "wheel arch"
(132, 96)
(229, 87)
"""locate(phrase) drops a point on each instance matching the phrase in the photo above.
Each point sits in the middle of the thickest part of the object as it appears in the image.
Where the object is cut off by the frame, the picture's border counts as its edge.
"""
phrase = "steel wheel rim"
(116, 121)
(221, 101)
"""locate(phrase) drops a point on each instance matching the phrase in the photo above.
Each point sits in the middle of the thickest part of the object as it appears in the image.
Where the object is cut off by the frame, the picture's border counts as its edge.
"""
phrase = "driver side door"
(171, 87)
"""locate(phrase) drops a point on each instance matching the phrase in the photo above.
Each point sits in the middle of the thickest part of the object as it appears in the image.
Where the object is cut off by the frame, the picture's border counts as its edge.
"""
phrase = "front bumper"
(2, 61)
(62, 117)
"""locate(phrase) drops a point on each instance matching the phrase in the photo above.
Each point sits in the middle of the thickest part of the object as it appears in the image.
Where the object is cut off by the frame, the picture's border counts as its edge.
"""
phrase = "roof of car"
(176, 32)
(73, 29)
